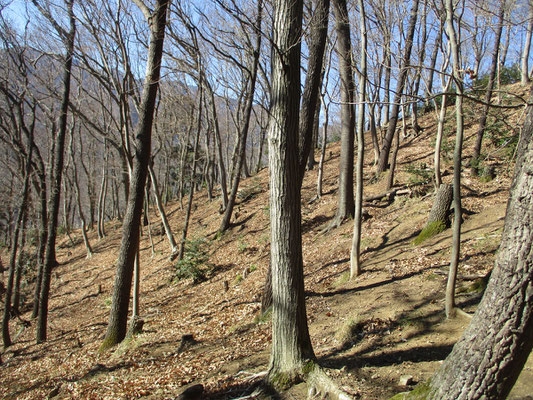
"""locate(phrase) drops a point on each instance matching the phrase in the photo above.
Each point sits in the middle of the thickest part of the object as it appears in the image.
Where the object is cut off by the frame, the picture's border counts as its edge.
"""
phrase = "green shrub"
(420, 174)
(194, 263)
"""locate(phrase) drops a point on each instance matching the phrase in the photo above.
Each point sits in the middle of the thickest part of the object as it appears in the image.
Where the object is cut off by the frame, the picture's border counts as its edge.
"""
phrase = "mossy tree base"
(430, 230)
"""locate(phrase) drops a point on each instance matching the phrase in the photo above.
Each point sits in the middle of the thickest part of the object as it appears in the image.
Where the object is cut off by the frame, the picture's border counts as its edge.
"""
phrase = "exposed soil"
(395, 306)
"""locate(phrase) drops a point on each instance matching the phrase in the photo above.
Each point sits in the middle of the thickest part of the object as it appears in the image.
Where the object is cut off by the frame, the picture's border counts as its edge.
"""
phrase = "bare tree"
(156, 19)
(524, 73)
(355, 253)
(457, 156)
(67, 37)
(404, 67)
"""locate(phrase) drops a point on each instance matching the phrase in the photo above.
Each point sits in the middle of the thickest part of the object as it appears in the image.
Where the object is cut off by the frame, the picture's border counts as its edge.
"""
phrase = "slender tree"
(404, 68)
(116, 329)
(355, 253)
(457, 158)
(345, 199)
(67, 36)
(488, 90)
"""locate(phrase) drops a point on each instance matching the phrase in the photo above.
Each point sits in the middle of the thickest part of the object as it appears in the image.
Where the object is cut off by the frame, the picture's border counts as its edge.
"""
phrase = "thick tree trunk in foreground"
(486, 361)
(291, 345)
(118, 318)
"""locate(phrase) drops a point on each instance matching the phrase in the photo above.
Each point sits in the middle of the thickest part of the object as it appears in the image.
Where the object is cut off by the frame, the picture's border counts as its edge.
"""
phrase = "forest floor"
(366, 332)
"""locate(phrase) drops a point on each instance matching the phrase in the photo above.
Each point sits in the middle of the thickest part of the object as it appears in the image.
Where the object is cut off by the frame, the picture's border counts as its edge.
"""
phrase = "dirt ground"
(366, 332)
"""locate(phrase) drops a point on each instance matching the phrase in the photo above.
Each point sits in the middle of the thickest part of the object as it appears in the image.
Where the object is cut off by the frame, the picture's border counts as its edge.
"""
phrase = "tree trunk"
(355, 262)
(57, 170)
(43, 235)
(309, 111)
(387, 142)
(13, 257)
(291, 344)
(20, 265)
(440, 130)
(116, 329)
(322, 151)
(524, 73)
(488, 94)
(243, 134)
(218, 144)
(457, 156)
(345, 199)
(486, 361)
(193, 173)
(162, 213)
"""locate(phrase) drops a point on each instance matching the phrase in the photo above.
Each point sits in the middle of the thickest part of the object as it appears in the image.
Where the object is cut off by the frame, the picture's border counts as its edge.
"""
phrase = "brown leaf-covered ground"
(395, 307)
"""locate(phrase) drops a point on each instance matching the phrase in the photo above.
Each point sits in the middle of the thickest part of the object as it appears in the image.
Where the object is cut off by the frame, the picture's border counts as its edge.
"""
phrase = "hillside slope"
(368, 332)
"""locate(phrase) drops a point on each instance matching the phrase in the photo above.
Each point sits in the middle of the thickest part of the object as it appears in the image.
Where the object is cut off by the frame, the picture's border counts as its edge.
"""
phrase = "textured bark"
(57, 169)
(441, 206)
(291, 344)
(387, 141)
(116, 329)
(487, 360)
(345, 196)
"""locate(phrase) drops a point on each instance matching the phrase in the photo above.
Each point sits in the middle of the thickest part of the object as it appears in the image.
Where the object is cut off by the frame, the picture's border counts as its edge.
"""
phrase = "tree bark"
(309, 110)
(116, 329)
(486, 361)
(291, 344)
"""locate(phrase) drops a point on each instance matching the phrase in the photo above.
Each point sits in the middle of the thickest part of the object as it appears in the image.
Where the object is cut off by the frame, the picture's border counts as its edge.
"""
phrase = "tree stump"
(439, 215)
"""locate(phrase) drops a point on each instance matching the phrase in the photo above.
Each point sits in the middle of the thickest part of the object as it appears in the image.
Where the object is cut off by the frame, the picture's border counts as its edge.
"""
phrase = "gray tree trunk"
(355, 262)
(118, 318)
(486, 361)
(345, 196)
(457, 156)
(291, 344)
(524, 73)
(243, 134)
(57, 166)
